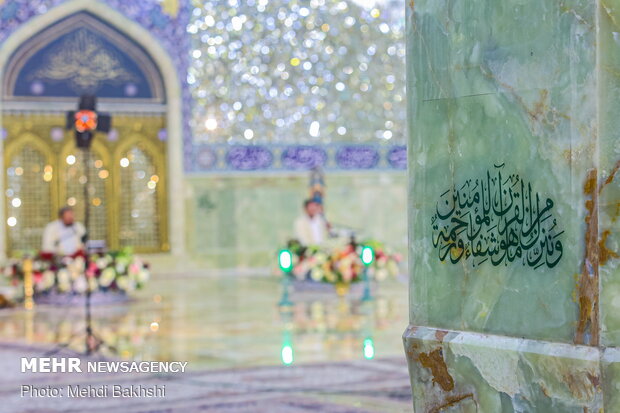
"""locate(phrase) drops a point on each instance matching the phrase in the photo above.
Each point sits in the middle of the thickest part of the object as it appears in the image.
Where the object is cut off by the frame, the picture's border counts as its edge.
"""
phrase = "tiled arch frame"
(172, 84)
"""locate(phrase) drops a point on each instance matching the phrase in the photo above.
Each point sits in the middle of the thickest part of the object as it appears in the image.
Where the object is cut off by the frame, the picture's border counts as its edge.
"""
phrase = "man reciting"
(63, 236)
(311, 228)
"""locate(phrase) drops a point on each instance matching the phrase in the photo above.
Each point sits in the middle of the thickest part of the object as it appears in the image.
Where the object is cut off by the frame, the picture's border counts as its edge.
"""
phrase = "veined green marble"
(500, 83)
(609, 158)
(533, 85)
(471, 372)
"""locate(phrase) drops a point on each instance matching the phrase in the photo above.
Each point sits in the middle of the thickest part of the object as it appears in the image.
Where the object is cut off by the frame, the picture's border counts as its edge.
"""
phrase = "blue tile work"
(274, 158)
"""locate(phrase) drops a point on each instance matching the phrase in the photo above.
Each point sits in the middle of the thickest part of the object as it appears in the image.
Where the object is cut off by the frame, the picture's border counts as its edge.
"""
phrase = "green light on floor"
(367, 255)
(287, 354)
(285, 260)
(369, 349)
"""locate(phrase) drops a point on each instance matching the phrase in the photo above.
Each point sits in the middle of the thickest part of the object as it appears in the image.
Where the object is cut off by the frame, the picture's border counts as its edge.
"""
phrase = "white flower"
(320, 257)
(80, 285)
(393, 268)
(381, 274)
(102, 263)
(317, 274)
(107, 277)
(47, 281)
(63, 276)
(125, 283)
(78, 262)
(143, 276)
(75, 274)
(64, 286)
(93, 284)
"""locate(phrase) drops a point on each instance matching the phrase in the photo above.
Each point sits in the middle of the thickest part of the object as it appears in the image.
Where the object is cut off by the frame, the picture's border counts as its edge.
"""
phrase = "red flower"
(79, 253)
(46, 256)
(91, 271)
(37, 276)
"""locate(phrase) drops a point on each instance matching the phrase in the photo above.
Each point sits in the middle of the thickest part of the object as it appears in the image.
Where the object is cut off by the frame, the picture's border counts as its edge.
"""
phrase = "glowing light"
(70, 160)
(98, 163)
(16, 202)
(287, 354)
(71, 201)
(315, 129)
(211, 124)
(11, 221)
(285, 260)
(248, 134)
(367, 255)
(19, 171)
(295, 61)
(237, 23)
(154, 326)
(151, 184)
(96, 201)
(369, 349)
(124, 162)
(103, 174)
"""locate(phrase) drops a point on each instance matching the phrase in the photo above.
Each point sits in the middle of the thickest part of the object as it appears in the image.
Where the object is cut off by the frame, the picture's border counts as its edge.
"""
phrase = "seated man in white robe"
(63, 236)
(311, 228)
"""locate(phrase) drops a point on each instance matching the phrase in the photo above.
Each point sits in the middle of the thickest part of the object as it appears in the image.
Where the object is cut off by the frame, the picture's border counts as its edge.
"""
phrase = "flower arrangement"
(342, 263)
(112, 271)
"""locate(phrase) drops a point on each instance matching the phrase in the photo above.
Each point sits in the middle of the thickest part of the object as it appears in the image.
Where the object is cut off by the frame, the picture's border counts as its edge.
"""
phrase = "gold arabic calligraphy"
(496, 218)
(84, 62)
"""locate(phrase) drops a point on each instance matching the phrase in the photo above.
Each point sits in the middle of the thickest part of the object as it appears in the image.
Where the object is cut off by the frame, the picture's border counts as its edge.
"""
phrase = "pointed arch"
(172, 86)
(28, 159)
(83, 40)
(70, 191)
(152, 196)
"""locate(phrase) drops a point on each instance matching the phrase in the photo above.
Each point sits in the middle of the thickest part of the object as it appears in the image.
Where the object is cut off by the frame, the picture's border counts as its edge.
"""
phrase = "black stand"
(93, 342)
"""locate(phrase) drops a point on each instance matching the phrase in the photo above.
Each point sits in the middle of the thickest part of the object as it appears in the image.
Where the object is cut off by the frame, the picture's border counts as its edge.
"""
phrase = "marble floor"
(234, 324)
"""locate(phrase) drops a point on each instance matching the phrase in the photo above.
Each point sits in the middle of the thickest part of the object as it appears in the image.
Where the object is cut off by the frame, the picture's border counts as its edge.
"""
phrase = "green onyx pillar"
(514, 203)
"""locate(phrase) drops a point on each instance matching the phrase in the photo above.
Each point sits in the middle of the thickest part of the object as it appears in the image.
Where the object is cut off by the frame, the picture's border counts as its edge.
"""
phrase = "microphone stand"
(92, 341)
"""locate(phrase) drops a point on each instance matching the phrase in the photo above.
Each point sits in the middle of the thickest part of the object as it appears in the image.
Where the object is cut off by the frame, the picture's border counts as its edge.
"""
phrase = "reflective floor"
(224, 322)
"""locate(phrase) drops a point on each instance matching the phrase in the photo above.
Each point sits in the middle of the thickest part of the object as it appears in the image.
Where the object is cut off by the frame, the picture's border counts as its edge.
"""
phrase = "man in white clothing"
(63, 236)
(311, 228)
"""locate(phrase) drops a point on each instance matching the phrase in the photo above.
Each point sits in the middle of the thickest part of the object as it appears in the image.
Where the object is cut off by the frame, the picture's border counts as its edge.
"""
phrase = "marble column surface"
(513, 205)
